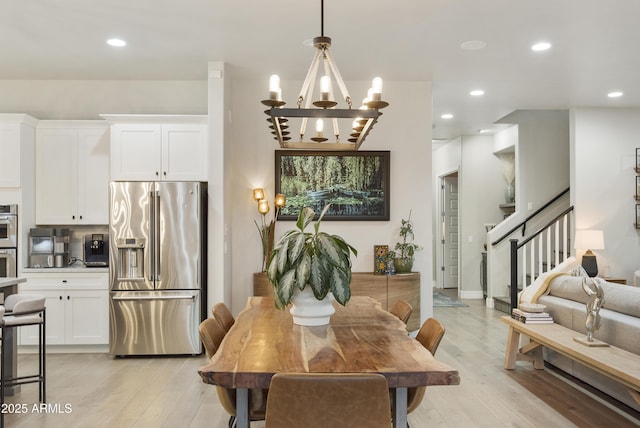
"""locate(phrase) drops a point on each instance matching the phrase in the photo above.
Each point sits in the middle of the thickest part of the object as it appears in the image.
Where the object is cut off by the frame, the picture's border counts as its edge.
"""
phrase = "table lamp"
(589, 239)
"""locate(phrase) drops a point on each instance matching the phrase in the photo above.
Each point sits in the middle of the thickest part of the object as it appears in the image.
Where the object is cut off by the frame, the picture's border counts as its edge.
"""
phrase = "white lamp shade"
(589, 239)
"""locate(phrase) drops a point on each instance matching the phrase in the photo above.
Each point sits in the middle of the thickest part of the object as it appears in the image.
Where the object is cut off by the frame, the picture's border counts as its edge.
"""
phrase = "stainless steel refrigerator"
(157, 267)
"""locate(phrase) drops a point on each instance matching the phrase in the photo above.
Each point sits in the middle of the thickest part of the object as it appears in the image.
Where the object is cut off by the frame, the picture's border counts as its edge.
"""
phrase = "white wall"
(404, 129)
(481, 188)
(603, 145)
(542, 172)
(87, 99)
(481, 191)
(446, 159)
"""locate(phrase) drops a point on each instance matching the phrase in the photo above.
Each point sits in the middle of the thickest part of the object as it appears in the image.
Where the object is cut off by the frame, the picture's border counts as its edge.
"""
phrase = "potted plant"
(305, 267)
(405, 248)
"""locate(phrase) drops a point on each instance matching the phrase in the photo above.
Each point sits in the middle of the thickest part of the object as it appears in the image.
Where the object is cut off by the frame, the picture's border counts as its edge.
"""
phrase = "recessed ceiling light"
(116, 43)
(615, 94)
(541, 46)
(476, 92)
(447, 116)
(484, 131)
(473, 45)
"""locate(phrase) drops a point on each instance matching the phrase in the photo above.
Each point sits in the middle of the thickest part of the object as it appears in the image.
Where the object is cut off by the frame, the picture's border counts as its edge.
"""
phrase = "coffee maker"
(96, 250)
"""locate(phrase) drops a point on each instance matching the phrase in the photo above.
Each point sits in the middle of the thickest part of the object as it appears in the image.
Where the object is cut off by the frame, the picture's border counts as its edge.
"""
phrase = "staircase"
(530, 255)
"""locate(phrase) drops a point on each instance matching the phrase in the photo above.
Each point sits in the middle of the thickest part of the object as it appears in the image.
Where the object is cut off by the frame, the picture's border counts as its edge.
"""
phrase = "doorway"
(449, 231)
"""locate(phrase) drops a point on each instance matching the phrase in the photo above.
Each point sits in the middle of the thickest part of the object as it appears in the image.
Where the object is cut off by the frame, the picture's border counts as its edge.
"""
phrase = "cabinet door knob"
(68, 297)
(73, 217)
(80, 217)
(64, 280)
(157, 173)
(165, 173)
(60, 297)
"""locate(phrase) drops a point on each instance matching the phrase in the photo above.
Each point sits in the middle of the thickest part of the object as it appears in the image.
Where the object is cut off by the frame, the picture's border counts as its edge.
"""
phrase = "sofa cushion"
(617, 297)
(622, 298)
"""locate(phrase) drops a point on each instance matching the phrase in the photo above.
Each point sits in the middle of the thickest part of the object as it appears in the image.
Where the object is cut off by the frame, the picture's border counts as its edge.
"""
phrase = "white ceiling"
(594, 46)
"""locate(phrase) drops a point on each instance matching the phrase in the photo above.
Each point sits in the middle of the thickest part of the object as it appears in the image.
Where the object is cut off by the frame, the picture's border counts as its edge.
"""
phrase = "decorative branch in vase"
(267, 230)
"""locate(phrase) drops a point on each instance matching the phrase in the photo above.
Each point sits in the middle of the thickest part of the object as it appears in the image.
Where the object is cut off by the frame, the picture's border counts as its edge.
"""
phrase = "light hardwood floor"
(167, 392)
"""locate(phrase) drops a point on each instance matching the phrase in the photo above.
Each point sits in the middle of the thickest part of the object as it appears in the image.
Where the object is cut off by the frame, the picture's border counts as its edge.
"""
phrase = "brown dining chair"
(320, 400)
(224, 316)
(211, 334)
(429, 335)
(402, 309)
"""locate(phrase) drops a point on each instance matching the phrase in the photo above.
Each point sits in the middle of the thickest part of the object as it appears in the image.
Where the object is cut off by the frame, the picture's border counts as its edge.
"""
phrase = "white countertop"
(70, 270)
(8, 282)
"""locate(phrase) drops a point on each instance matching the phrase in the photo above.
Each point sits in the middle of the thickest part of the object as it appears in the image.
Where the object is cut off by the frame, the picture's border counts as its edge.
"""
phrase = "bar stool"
(23, 310)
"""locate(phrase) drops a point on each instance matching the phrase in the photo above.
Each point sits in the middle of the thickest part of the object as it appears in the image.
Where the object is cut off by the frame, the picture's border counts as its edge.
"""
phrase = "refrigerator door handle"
(133, 298)
(156, 233)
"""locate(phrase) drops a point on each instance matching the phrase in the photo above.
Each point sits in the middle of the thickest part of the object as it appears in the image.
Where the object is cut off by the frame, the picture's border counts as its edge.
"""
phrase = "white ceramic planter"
(309, 311)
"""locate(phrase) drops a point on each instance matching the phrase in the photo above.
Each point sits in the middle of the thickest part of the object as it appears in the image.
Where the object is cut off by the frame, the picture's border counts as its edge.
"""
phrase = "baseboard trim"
(471, 294)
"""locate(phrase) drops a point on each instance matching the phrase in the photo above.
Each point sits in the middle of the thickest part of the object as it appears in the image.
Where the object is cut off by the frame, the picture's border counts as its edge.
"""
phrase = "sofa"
(565, 301)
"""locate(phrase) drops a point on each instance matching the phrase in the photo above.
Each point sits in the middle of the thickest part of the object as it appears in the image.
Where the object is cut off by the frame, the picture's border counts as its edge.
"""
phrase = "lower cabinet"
(77, 309)
(387, 289)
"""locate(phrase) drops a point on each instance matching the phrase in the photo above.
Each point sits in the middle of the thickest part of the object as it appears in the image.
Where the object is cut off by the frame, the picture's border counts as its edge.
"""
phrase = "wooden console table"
(618, 364)
(387, 289)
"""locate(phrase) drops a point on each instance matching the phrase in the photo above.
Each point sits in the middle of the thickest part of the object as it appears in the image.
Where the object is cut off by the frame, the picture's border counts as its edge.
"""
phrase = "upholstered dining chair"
(320, 400)
(224, 316)
(211, 334)
(402, 309)
(21, 310)
(429, 335)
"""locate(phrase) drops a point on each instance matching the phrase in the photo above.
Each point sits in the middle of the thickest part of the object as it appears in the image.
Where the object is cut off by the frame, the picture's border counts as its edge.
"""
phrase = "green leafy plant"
(406, 248)
(319, 260)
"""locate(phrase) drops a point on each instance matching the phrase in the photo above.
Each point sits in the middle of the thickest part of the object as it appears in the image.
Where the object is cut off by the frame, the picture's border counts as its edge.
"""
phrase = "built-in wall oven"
(8, 241)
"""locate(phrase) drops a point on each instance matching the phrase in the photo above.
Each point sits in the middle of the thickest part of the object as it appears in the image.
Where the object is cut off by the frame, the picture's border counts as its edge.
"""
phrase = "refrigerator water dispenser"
(130, 258)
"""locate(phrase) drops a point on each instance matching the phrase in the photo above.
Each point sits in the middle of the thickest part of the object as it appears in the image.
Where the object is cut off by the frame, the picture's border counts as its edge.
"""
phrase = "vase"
(403, 264)
(510, 193)
(309, 311)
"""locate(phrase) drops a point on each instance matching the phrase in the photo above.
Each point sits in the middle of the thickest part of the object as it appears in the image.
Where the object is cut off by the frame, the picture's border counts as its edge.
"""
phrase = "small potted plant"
(305, 267)
(405, 248)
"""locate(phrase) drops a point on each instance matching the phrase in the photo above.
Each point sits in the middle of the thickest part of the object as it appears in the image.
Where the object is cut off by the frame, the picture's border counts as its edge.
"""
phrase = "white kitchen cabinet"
(16, 135)
(77, 308)
(72, 173)
(158, 147)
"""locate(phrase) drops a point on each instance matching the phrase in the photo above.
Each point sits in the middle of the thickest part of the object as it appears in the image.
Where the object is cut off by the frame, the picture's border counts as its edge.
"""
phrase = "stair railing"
(523, 223)
(552, 237)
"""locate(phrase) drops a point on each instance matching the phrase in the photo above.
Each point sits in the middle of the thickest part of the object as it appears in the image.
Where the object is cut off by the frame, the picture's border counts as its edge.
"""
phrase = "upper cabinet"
(158, 147)
(72, 172)
(16, 136)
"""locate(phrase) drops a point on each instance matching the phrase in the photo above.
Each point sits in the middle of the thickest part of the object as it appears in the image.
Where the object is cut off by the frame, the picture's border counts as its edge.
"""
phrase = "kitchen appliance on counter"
(96, 250)
(8, 241)
(48, 247)
(157, 267)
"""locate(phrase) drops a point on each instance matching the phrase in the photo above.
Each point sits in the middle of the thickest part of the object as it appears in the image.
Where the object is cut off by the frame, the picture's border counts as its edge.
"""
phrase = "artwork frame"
(356, 183)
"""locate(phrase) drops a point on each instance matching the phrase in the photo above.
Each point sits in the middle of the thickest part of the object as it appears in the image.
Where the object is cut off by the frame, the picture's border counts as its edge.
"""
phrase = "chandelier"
(360, 119)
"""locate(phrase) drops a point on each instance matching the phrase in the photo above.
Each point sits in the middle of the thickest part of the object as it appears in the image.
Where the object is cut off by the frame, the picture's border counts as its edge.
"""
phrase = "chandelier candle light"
(265, 230)
(363, 117)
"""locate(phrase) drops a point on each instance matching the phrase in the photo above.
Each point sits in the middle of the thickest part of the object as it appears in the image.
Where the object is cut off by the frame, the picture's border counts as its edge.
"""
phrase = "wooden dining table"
(362, 337)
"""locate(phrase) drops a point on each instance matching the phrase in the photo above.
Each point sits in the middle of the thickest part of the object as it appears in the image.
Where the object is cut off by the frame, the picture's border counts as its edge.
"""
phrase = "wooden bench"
(616, 363)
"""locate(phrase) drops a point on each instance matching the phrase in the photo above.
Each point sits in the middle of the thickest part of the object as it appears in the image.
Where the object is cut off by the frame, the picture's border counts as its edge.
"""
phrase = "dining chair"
(21, 310)
(224, 316)
(429, 335)
(402, 309)
(212, 334)
(320, 400)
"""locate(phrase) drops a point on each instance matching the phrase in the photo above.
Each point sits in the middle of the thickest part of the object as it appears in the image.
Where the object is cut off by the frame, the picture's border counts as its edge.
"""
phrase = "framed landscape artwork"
(356, 184)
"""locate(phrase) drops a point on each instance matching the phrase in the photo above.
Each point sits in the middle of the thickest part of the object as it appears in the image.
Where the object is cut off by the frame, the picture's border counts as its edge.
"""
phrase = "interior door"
(449, 231)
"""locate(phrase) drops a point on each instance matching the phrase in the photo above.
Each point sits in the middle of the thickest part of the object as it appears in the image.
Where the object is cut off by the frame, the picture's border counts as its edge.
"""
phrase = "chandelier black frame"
(363, 117)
